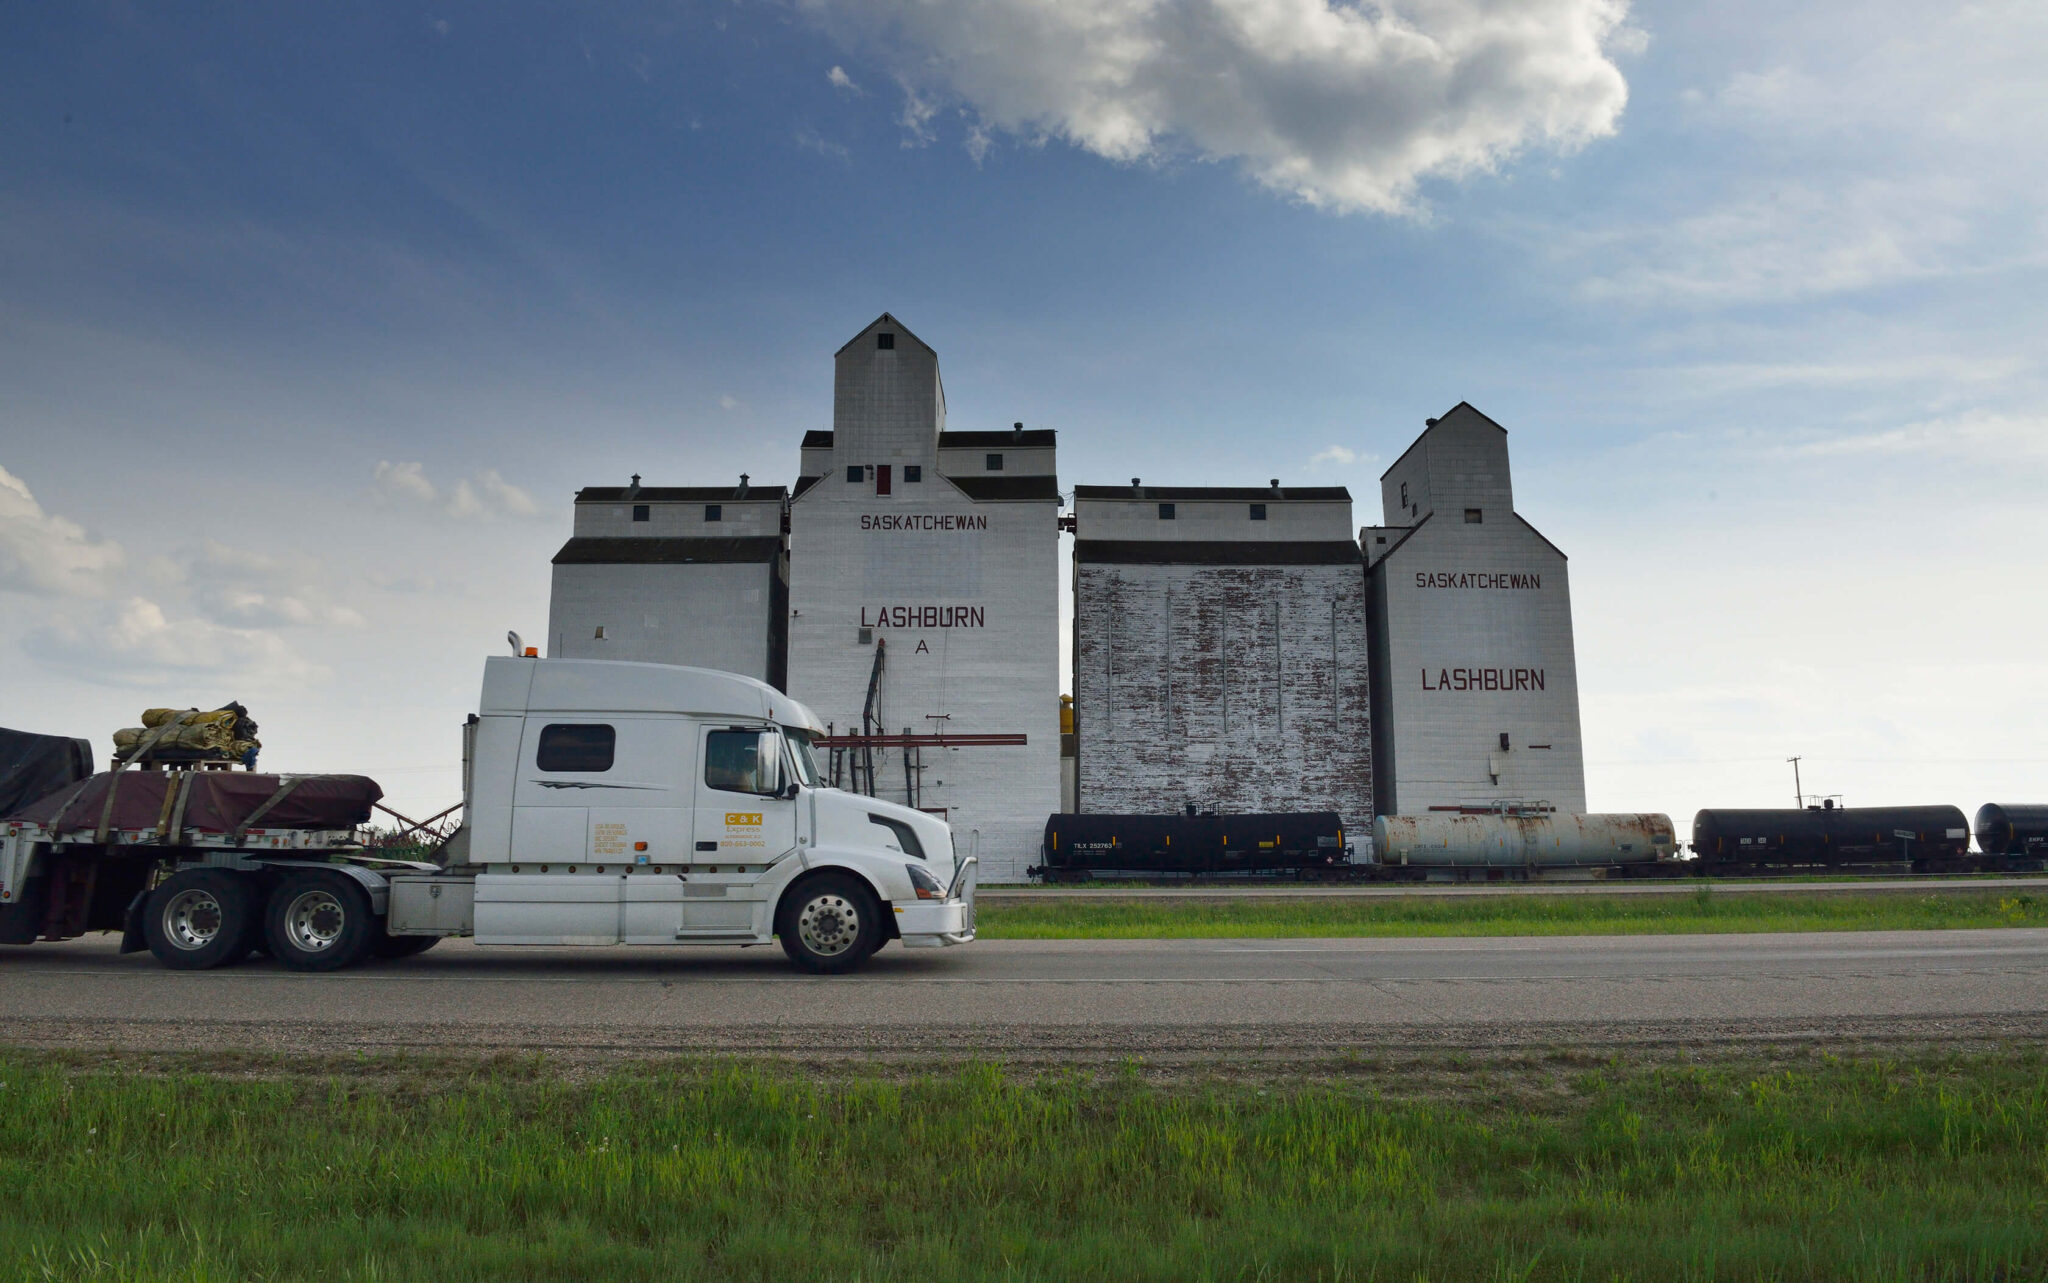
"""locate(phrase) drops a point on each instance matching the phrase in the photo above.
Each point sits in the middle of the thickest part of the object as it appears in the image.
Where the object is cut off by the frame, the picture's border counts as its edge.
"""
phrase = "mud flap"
(131, 930)
(22, 921)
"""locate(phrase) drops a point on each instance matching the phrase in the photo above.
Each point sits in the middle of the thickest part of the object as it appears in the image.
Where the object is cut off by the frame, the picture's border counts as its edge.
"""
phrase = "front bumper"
(934, 924)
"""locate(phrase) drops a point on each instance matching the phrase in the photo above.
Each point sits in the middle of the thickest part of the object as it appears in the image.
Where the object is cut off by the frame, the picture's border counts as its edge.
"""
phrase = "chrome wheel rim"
(314, 921)
(828, 925)
(192, 920)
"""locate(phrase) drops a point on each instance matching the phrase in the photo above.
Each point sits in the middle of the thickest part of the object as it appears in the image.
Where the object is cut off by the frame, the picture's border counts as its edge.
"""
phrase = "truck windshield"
(801, 753)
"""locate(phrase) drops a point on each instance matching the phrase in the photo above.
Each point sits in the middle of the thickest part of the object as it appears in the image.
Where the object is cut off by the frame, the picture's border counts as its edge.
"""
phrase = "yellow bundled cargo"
(225, 734)
(155, 717)
(203, 737)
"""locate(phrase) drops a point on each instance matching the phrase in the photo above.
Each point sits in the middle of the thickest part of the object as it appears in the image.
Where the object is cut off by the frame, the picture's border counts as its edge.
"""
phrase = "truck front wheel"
(320, 922)
(198, 919)
(830, 924)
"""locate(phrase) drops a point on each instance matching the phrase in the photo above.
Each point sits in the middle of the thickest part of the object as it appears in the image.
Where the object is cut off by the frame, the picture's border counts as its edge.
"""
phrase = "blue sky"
(312, 321)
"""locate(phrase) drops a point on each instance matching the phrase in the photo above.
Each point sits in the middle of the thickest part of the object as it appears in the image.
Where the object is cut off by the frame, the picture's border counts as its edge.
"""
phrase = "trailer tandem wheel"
(200, 918)
(319, 921)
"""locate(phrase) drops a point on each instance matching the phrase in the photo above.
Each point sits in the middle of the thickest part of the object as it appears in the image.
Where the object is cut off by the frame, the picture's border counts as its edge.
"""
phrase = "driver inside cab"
(732, 761)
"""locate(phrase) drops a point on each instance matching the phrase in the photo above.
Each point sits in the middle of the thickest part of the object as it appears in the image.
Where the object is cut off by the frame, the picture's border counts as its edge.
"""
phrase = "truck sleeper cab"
(627, 803)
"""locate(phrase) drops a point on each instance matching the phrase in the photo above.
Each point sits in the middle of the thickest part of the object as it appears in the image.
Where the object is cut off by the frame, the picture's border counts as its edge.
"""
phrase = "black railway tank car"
(1928, 839)
(1083, 846)
(2013, 834)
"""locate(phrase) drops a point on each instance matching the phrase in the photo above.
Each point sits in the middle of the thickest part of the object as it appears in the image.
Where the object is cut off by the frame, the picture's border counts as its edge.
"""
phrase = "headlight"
(927, 886)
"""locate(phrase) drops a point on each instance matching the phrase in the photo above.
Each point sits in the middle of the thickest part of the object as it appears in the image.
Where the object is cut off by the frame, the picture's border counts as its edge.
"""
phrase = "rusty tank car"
(1508, 844)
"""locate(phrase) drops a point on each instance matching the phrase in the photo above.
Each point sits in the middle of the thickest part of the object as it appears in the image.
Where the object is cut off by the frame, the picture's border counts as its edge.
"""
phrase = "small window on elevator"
(639, 512)
(1258, 512)
(856, 473)
(714, 512)
(995, 463)
(913, 473)
(1166, 512)
(1473, 516)
(885, 342)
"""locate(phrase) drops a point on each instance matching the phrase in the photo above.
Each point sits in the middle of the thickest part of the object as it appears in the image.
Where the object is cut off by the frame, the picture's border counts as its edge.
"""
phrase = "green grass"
(1934, 1168)
(1701, 910)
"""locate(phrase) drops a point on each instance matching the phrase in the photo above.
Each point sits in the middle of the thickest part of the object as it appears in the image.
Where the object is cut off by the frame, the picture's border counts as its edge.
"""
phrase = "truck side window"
(743, 761)
(570, 746)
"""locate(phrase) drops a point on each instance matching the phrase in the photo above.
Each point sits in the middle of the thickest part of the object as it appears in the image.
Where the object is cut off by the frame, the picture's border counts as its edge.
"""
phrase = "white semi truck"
(605, 803)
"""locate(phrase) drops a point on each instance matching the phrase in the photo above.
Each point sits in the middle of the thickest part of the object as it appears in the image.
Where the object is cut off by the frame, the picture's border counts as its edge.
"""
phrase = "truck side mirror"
(768, 765)
(789, 792)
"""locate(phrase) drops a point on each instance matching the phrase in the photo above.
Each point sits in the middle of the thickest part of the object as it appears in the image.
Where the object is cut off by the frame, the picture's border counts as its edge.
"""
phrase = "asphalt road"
(1197, 1000)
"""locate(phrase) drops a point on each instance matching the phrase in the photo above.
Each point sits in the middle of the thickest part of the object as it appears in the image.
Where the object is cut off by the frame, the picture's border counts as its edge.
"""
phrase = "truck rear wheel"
(830, 924)
(198, 919)
(318, 921)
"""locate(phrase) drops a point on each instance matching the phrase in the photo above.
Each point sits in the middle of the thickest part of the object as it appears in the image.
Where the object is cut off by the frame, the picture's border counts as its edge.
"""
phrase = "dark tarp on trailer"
(35, 766)
(216, 802)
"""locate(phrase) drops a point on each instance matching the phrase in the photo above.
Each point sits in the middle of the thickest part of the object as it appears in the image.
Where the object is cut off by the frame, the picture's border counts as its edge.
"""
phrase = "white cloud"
(978, 141)
(728, 402)
(252, 590)
(811, 140)
(491, 496)
(1334, 454)
(404, 481)
(838, 79)
(916, 117)
(484, 496)
(1786, 240)
(44, 553)
(1987, 438)
(1876, 143)
(136, 643)
(223, 601)
(1864, 367)
(1343, 106)
(506, 497)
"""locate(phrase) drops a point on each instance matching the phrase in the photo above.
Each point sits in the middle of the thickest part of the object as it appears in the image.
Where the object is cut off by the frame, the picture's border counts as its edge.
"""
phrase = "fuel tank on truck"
(1544, 841)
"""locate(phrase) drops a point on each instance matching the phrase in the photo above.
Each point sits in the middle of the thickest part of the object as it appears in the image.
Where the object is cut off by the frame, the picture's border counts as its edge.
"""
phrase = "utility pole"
(1798, 792)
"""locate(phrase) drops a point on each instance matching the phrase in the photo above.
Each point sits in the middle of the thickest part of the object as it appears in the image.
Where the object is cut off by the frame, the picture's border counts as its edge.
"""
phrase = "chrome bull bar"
(963, 877)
